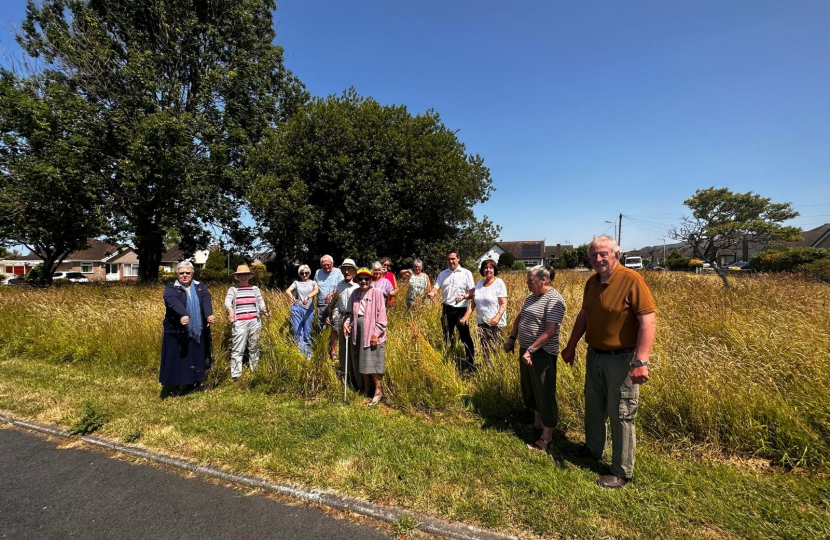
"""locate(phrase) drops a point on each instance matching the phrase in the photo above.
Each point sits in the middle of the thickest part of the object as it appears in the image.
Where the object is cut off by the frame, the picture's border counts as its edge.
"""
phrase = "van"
(635, 263)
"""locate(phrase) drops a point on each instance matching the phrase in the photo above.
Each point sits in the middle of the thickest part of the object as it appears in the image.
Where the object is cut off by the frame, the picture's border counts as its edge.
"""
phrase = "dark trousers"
(449, 322)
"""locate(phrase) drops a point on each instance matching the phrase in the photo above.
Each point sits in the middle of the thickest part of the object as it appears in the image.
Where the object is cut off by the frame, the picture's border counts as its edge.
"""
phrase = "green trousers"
(539, 385)
(611, 396)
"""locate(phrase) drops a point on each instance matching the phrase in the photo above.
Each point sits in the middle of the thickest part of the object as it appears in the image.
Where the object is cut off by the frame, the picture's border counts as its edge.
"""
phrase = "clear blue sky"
(585, 110)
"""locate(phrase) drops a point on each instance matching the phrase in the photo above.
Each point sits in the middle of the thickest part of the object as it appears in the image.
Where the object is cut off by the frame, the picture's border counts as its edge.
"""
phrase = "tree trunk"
(721, 274)
(149, 250)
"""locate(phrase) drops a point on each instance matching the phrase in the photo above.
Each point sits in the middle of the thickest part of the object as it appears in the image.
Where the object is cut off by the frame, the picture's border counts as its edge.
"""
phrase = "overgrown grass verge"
(739, 374)
(453, 466)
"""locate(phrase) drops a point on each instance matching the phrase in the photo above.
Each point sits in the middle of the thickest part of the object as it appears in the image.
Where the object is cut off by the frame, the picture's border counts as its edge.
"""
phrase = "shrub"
(506, 261)
(818, 270)
(558, 264)
(695, 263)
(519, 266)
(35, 275)
(787, 259)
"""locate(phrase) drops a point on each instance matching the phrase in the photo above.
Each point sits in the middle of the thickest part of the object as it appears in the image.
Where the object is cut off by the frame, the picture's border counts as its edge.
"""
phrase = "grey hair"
(303, 267)
(324, 257)
(604, 239)
(183, 264)
(540, 272)
(377, 264)
(418, 261)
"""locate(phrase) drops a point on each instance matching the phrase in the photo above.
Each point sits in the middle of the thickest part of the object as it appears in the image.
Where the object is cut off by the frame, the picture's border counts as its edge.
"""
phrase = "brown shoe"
(612, 482)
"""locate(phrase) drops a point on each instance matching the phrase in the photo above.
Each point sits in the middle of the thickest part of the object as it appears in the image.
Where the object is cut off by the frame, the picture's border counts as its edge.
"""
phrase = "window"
(131, 270)
(86, 267)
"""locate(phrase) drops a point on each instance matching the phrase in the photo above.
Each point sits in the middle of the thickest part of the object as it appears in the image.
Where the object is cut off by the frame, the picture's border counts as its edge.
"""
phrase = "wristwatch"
(639, 363)
(531, 349)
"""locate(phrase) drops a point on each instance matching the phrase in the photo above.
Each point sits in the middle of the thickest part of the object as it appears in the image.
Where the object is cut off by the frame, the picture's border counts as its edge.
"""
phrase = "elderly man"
(455, 283)
(341, 310)
(618, 320)
(327, 278)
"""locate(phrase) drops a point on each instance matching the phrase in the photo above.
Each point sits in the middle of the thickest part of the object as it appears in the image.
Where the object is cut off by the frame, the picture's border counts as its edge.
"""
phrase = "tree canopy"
(352, 178)
(50, 189)
(723, 220)
(179, 93)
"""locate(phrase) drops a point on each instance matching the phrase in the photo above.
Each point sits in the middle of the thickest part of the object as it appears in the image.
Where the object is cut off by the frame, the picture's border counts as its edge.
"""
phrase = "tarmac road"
(59, 493)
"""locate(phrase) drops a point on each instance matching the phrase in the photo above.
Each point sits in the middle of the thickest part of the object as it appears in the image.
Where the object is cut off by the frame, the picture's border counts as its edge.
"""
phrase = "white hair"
(183, 264)
(604, 239)
(376, 265)
(324, 257)
(540, 272)
(303, 267)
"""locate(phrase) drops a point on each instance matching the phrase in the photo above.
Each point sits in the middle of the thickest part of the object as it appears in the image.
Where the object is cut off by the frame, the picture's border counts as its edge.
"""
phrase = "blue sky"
(585, 110)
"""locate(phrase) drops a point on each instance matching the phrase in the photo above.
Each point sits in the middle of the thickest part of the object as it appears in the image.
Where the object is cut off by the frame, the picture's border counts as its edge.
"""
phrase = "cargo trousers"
(244, 333)
(611, 396)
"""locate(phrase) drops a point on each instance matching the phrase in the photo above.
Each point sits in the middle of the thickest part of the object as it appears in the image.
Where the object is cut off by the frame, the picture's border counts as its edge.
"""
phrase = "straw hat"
(348, 262)
(242, 269)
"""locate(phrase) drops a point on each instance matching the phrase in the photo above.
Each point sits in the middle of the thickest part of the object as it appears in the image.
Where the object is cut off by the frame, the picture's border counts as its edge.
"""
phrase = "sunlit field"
(740, 381)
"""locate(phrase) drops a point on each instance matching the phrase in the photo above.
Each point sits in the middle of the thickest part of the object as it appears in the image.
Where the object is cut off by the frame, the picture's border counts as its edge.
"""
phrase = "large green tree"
(723, 220)
(50, 188)
(183, 91)
(352, 178)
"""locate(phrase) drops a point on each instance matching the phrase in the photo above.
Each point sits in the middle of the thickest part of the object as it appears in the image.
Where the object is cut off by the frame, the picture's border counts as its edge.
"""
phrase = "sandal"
(537, 446)
(375, 400)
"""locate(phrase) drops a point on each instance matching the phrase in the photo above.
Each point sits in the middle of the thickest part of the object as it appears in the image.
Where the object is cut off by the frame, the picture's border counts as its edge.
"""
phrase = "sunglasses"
(185, 273)
(305, 273)
(364, 278)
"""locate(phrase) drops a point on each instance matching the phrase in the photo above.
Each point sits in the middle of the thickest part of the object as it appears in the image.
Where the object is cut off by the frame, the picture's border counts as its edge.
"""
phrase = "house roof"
(173, 254)
(811, 237)
(555, 251)
(96, 251)
(524, 249)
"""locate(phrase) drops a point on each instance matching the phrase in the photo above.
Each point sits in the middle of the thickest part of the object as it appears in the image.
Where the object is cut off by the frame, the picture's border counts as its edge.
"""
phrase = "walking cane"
(346, 370)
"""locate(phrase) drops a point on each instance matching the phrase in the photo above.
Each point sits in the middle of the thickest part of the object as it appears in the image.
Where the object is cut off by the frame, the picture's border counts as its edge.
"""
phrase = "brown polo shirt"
(611, 308)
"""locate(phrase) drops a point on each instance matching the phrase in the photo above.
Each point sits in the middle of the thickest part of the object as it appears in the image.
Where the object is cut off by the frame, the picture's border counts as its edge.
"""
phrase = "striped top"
(246, 302)
(536, 312)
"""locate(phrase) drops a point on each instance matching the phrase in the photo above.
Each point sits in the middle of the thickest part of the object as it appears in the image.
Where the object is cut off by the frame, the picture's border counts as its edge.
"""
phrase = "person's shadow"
(562, 450)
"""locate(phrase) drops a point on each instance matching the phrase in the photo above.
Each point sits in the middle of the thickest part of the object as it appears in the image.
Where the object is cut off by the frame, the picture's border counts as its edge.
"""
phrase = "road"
(47, 492)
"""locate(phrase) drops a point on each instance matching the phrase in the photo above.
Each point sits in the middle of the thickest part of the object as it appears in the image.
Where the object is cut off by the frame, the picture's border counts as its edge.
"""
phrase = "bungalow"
(101, 261)
(529, 252)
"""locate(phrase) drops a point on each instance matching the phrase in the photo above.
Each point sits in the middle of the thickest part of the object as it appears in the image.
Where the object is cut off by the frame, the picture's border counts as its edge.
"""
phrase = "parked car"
(740, 265)
(74, 277)
(635, 263)
(14, 280)
(653, 265)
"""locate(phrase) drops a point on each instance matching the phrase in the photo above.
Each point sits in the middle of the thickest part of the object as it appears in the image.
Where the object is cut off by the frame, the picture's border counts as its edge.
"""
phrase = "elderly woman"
(245, 307)
(490, 297)
(537, 329)
(366, 325)
(386, 262)
(301, 294)
(418, 283)
(186, 342)
(380, 282)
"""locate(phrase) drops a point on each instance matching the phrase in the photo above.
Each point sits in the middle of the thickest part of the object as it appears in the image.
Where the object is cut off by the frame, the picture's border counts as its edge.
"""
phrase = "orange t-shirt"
(611, 308)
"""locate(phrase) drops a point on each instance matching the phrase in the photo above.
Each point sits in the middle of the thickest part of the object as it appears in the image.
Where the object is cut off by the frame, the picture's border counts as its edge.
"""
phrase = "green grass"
(739, 381)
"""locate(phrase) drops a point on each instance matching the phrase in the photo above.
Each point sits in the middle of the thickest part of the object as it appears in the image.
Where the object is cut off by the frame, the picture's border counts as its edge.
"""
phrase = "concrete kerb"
(389, 515)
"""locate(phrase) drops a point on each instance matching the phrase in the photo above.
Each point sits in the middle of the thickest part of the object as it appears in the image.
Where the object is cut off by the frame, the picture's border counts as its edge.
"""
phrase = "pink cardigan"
(374, 316)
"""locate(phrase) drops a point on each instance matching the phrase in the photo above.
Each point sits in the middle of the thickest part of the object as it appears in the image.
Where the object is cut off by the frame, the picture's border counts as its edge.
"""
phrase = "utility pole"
(619, 232)
(664, 249)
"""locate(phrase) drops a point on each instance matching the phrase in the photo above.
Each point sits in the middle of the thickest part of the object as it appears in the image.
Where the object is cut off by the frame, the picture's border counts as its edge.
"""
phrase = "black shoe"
(611, 481)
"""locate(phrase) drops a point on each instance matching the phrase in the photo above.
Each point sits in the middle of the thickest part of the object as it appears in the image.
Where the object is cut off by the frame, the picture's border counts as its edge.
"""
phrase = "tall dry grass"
(743, 369)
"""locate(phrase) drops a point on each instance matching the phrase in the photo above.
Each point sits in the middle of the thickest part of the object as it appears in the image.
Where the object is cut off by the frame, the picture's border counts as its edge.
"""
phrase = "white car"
(74, 277)
(635, 263)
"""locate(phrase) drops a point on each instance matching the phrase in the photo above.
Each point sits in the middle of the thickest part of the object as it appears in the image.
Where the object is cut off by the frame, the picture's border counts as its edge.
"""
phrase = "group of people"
(617, 319)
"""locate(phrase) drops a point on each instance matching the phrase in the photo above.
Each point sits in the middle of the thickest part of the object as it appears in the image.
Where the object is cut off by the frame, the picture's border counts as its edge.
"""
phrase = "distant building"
(529, 252)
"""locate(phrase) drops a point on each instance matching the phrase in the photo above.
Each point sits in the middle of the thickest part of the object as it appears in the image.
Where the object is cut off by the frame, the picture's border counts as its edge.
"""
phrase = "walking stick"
(346, 370)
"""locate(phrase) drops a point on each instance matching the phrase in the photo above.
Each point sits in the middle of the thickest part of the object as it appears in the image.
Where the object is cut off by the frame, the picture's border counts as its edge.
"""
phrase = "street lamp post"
(614, 223)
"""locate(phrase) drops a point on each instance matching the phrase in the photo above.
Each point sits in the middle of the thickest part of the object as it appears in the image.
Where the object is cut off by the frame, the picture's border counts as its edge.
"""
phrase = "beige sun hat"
(242, 269)
(348, 262)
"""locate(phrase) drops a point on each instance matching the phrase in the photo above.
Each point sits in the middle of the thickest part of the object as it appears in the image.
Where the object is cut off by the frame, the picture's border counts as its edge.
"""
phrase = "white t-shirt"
(454, 283)
(487, 301)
